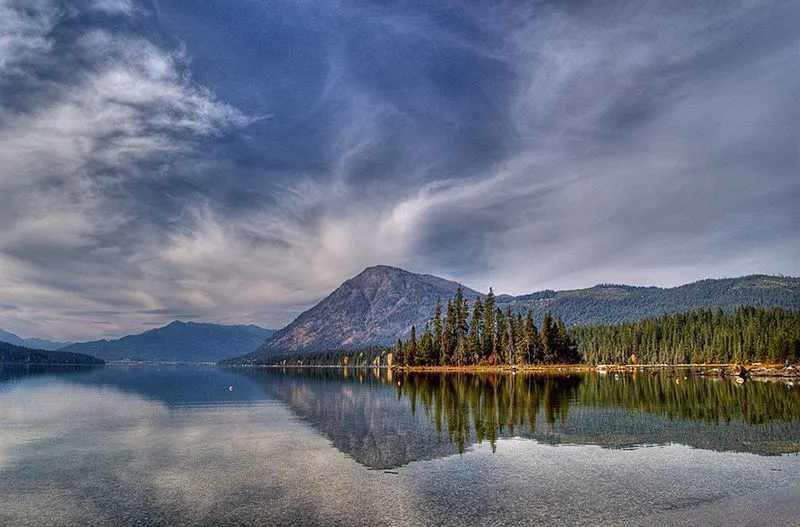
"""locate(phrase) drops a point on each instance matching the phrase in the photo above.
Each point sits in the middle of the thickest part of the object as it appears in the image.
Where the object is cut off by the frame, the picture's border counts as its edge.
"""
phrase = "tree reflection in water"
(384, 419)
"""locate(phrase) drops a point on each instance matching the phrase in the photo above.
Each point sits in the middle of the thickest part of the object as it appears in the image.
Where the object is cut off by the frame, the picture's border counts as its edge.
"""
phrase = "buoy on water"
(230, 388)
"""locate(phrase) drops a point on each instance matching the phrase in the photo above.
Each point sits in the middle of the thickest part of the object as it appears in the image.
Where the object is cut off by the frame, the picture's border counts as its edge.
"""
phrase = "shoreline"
(760, 370)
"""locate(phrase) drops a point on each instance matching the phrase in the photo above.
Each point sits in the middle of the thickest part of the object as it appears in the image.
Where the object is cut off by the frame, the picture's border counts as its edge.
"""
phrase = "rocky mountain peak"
(375, 307)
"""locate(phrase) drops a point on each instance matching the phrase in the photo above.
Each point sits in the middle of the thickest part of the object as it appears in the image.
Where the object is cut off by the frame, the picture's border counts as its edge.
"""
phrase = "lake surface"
(207, 446)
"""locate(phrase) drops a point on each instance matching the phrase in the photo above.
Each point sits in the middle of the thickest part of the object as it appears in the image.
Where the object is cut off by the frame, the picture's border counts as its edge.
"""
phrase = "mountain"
(35, 343)
(379, 305)
(44, 344)
(179, 342)
(10, 353)
(373, 308)
(611, 304)
(11, 338)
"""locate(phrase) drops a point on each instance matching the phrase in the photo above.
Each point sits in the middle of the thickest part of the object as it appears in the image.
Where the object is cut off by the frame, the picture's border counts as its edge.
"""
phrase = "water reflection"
(12, 372)
(174, 385)
(174, 446)
(360, 412)
(386, 420)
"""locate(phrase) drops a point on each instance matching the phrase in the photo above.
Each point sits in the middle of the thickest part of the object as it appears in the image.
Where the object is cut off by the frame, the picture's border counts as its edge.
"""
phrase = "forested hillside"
(9, 353)
(379, 306)
(611, 303)
(749, 334)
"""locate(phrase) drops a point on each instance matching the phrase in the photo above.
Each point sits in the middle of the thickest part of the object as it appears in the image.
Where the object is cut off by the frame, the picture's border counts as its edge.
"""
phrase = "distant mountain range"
(41, 344)
(179, 342)
(379, 305)
(611, 303)
(10, 353)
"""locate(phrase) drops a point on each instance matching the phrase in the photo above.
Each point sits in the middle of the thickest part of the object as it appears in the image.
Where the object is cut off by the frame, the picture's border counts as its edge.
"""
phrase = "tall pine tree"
(474, 347)
(437, 357)
(489, 336)
(548, 339)
(411, 353)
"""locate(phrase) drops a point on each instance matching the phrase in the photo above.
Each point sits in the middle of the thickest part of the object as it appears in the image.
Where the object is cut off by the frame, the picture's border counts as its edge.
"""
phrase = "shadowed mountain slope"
(371, 309)
(179, 342)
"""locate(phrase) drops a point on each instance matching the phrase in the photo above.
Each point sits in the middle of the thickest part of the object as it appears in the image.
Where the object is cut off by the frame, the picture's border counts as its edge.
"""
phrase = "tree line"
(749, 334)
(348, 357)
(483, 334)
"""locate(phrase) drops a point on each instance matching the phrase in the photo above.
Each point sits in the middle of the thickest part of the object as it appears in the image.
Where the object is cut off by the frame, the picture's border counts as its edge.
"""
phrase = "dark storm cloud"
(237, 162)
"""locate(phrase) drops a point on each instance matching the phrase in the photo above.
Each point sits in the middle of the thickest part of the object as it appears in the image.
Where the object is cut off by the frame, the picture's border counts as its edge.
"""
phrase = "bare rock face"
(374, 308)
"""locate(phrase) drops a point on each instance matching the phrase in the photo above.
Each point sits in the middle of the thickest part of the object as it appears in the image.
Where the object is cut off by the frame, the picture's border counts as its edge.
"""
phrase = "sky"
(234, 161)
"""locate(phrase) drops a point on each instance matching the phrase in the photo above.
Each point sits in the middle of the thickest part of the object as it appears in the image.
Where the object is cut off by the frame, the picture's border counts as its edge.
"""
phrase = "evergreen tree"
(437, 357)
(463, 328)
(533, 344)
(448, 336)
(500, 337)
(474, 348)
(458, 311)
(399, 356)
(566, 350)
(489, 336)
(510, 338)
(425, 348)
(411, 353)
(520, 344)
(461, 353)
(548, 339)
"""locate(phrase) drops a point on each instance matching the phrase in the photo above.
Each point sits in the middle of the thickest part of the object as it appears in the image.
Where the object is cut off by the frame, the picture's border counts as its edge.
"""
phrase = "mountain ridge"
(179, 342)
(379, 305)
(33, 342)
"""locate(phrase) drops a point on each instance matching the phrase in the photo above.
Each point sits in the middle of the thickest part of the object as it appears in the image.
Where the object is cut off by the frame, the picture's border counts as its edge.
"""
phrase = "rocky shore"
(739, 371)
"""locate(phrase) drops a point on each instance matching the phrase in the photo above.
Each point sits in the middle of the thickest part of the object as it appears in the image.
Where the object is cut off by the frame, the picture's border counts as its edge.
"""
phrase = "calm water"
(177, 446)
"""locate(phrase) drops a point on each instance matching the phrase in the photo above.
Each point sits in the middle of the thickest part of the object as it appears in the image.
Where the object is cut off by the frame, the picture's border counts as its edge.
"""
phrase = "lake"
(187, 445)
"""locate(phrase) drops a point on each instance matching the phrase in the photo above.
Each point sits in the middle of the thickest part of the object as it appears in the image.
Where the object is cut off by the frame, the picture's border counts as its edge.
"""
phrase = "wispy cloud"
(23, 33)
(72, 151)
(520, 146)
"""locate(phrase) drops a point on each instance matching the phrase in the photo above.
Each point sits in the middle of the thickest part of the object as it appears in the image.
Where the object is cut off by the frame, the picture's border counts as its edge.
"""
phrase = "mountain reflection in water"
(383, 419)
